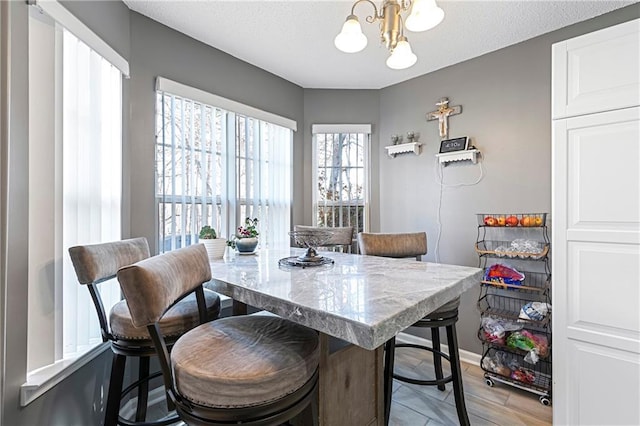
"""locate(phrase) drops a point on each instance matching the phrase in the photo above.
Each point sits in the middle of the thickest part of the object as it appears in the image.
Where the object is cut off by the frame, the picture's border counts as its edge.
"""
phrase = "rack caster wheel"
(489, 382)
(545, 401)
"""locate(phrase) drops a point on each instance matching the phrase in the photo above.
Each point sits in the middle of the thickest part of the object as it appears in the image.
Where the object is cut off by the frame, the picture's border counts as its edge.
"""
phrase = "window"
(75, 186)
(217, 167)
(341, 175)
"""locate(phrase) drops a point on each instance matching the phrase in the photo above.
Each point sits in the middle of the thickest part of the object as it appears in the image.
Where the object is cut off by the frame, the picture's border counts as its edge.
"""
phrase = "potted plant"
(215, 246)
(246, 239)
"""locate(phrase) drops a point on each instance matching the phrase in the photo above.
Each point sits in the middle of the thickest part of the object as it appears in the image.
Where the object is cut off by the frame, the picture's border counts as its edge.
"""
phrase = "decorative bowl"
(311, 240)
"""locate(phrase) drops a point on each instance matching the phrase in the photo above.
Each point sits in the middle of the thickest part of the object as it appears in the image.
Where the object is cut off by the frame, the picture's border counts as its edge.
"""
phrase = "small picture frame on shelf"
(455, 144)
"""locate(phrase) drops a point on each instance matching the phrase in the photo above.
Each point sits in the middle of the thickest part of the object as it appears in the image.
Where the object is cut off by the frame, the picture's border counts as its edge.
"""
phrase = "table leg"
(350, 385)
(238, 308)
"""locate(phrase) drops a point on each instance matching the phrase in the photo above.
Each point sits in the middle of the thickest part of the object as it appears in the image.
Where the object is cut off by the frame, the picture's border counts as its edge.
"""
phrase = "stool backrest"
(96, 263)
(153, 285)
(393, 245)
(99, 262)
(341, 236)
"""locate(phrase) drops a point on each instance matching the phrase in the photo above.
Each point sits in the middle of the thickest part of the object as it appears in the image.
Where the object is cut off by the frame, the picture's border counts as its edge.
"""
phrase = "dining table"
(356, 303)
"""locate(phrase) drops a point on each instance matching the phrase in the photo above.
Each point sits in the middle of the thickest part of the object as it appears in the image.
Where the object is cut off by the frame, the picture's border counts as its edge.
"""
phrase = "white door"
(596, 269)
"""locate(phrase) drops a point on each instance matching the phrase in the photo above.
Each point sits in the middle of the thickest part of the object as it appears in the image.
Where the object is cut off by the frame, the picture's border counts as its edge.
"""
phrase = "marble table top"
(364, 300)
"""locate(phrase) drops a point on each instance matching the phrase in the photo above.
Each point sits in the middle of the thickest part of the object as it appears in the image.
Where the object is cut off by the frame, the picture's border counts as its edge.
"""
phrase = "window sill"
(45, 378)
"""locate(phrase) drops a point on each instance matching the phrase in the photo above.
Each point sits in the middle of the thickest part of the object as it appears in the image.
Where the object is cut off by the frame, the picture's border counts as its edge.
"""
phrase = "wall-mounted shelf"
(466, 155)
(402, 148)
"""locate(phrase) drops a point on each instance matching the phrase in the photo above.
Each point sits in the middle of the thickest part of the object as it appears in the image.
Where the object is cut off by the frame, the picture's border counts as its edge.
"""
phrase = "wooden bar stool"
(100, 262)
(415, 245)
(340, 236)
(251, 370)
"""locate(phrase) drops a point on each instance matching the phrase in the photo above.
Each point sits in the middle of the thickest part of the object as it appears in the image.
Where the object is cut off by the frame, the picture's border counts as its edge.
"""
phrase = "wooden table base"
(350, 390)
(351, 385)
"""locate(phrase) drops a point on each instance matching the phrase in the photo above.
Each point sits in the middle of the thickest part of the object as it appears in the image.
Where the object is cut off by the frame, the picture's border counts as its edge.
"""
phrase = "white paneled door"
(596, 232)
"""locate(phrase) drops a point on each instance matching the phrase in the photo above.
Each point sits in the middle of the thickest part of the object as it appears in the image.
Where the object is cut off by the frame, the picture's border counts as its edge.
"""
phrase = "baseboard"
(465, 356)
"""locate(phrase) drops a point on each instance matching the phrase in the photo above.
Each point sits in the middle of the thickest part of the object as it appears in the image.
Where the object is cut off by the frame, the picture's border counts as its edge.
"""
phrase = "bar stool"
(100, 262)
(341, 236)
(251, 370)
(415, 245)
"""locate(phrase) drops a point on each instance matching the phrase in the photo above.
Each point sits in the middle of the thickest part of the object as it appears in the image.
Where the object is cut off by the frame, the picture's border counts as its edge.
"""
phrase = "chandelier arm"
(401, 26)
(369, 19)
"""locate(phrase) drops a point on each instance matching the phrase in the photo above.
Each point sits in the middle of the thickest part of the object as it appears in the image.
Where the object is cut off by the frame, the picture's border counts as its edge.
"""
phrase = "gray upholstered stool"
(340, 236)
(100, 262)
(250, 370)
(415, 245)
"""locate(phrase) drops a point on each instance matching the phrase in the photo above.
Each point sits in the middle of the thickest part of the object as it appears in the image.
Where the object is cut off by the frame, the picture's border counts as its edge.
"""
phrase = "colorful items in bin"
(526, 220)
(498, 363)
(520, 248)
(535, 311)
(504, 274)
(495, 329)
(501, 363)
(537, 345)
(523, 375)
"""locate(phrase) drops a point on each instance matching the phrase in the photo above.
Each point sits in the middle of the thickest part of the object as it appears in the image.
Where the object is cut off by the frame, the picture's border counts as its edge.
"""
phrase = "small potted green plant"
(246, 239)
(215, 246)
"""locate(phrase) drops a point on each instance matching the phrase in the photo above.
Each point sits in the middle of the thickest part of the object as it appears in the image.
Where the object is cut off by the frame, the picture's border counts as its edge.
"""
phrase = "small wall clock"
(456, 144)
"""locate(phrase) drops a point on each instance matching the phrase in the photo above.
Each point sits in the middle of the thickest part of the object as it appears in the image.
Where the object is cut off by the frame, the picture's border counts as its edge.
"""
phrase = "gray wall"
(339, 107)
(506, 110)
(157, 50)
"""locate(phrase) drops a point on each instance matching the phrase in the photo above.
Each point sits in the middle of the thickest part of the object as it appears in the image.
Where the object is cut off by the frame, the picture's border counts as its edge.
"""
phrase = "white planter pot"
(215, 247)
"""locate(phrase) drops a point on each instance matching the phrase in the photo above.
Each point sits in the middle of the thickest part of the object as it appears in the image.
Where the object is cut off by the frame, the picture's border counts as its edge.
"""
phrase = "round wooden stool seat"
(182, 317)
(244, 361)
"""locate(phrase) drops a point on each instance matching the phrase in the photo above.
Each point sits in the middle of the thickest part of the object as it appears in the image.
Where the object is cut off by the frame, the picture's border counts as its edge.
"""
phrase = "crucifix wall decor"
(442, 114)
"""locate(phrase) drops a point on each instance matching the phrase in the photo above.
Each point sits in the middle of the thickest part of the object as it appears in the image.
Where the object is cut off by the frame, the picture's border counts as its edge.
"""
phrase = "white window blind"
(92, 183)
(216, 167)
(75, 122)
(341, 175)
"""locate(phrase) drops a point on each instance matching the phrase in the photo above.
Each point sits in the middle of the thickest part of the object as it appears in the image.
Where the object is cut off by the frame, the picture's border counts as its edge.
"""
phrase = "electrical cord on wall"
(439, 170)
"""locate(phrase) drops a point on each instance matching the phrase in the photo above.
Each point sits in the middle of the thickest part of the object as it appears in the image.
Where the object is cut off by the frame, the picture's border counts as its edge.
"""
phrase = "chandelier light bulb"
(425, 14)
(351, 39)
(401, 57)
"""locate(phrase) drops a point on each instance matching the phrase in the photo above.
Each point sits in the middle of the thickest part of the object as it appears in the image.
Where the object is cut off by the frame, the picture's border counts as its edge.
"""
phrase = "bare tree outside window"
(340, 178)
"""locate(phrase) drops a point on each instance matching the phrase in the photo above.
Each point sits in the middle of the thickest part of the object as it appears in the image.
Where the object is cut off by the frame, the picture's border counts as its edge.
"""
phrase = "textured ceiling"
(294, 39)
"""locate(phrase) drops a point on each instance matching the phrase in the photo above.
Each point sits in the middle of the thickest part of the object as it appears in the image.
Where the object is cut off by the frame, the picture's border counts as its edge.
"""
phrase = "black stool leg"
(115, 387)
(437, 359)
(389, 354)
(456, 374)
(143, 389)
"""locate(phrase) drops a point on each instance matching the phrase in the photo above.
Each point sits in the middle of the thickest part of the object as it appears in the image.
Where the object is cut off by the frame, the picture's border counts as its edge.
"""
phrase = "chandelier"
(424, 15)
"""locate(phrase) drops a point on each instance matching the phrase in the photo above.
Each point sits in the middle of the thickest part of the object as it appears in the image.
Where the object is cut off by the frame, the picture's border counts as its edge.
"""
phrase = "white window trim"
(165, 85)
(65, 18)
(341, 128)
(47, 377)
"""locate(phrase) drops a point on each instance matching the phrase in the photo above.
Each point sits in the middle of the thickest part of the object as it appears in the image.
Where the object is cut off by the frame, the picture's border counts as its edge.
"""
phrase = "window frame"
(365, 203)
(235, 202)
(40, 380)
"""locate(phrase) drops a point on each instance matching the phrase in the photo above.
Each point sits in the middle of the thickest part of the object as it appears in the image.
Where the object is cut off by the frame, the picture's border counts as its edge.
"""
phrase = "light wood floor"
(415, 405)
